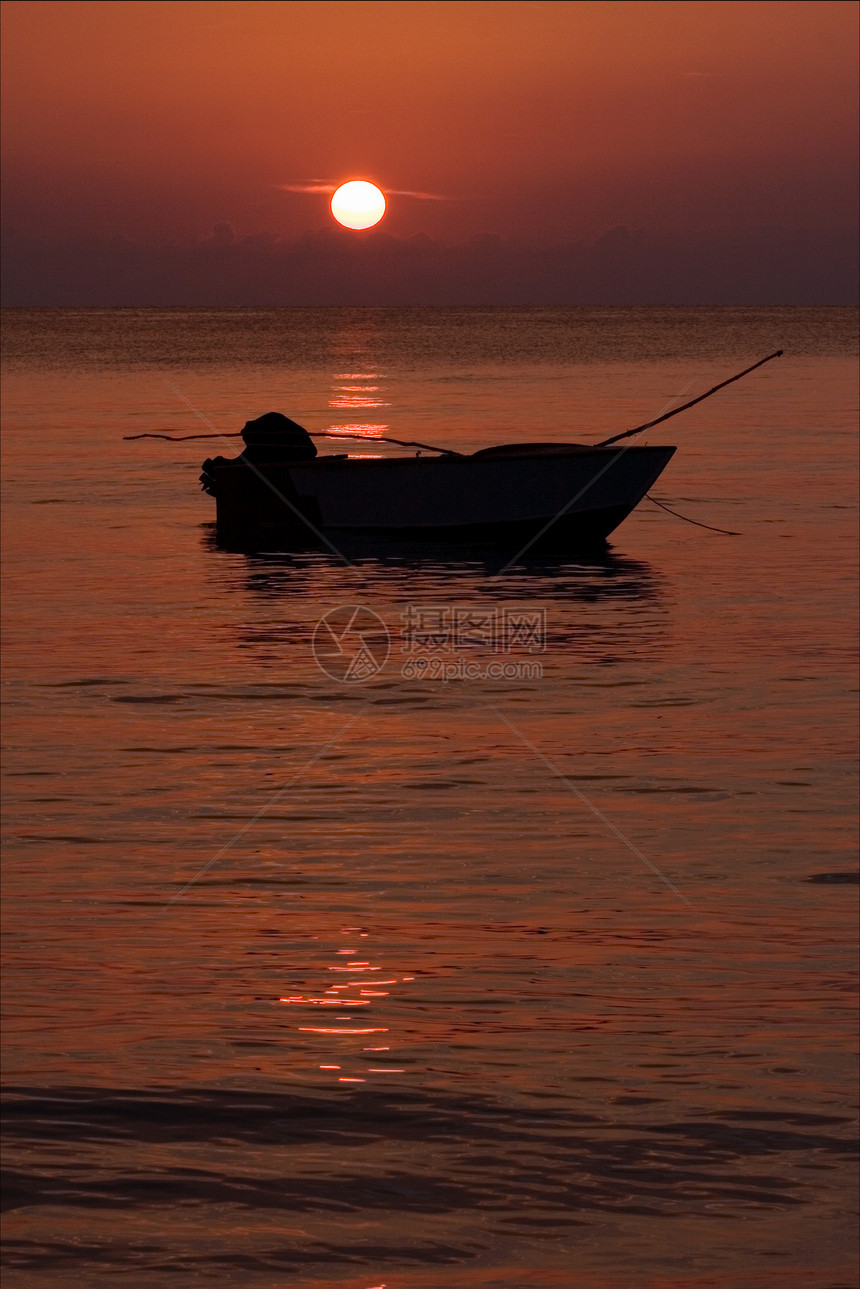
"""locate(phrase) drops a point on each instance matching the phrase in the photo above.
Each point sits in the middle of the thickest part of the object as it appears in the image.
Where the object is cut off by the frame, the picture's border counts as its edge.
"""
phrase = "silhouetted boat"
(555, 496)
(566, 495)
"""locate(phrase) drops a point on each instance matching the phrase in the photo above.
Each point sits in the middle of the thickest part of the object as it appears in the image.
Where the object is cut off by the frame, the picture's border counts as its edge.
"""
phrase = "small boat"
(559, 496)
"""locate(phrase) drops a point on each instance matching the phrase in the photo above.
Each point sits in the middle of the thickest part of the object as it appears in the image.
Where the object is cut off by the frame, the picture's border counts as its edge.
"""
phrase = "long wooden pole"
(429, 447)
(692, 403)
(314, 434)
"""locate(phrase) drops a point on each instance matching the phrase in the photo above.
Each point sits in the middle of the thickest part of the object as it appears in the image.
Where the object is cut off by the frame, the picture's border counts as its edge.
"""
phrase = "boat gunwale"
(348, 462)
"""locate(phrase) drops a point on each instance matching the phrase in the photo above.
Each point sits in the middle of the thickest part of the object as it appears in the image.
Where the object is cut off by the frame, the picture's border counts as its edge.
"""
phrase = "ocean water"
(522, 957)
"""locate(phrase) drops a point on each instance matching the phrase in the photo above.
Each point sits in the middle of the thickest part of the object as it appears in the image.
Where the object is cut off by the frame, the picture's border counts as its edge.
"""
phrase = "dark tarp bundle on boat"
(270, 439)
(274, 437)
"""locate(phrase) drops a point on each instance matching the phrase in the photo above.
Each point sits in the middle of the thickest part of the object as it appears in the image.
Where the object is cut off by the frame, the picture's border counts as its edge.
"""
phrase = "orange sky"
(552, 121)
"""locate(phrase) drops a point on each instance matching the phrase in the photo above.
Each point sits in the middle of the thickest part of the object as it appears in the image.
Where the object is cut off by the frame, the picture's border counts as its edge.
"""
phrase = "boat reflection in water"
(597, 609)
(403, 569)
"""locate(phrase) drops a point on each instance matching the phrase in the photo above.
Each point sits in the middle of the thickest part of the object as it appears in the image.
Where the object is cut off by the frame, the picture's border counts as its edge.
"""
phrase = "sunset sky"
(539, 122)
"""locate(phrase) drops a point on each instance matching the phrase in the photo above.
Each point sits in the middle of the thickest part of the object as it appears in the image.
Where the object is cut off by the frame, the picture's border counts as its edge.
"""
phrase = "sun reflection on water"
(350, 994)
(360, 391)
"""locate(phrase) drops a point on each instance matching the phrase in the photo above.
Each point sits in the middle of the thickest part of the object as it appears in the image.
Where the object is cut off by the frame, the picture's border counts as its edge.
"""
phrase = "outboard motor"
(274, 437)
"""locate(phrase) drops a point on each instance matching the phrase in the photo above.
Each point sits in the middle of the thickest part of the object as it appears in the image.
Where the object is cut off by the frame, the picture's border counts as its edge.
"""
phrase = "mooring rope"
(727, 532)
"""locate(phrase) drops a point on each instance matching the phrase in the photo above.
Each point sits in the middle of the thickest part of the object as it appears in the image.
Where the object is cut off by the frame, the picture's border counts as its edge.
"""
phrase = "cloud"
(761, 266)
(318, 186)
(420, 196)
(309, 187)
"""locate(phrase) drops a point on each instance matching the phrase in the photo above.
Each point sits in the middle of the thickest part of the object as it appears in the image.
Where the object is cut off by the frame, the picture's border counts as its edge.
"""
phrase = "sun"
(358, 204)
